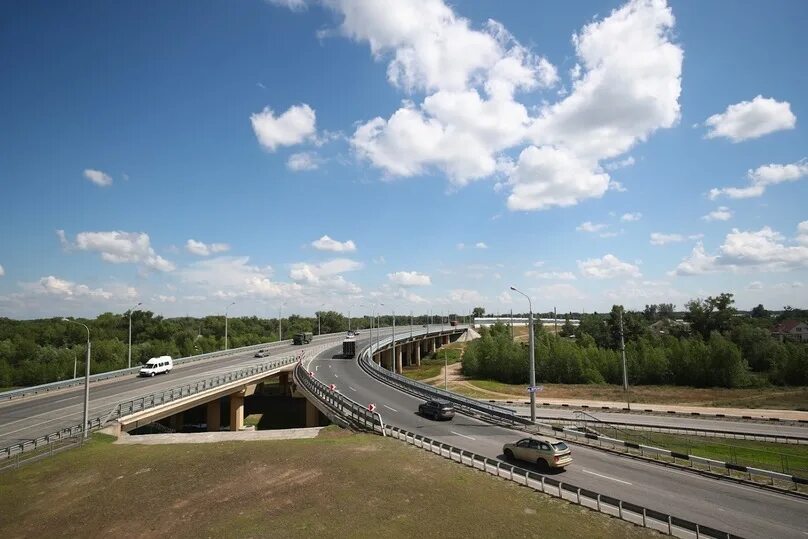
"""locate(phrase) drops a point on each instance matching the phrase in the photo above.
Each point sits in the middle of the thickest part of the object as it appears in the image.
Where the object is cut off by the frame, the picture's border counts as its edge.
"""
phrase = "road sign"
(534, 389)
(332, 387)
(372, 407)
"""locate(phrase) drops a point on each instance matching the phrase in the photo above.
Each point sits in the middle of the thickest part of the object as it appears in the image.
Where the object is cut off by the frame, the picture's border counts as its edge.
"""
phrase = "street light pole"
(86, 379)
(280, 317)
(225, 324)
(623, 352)
(130, 334)
(532, 358)
(393, 342)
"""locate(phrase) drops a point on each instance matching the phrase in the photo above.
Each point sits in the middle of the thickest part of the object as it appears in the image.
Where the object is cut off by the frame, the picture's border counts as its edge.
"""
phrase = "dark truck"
(303, 338)
(349, 347)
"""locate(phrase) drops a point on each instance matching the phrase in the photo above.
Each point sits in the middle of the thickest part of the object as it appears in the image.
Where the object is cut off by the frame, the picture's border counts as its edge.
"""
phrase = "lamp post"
(225, 324)
(623, 352)
(86, 378)
(532, 358)
(130, 334)
(280, 317)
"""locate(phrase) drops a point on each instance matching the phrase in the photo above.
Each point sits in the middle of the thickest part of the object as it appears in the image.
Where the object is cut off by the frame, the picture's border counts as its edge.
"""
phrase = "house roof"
(787, 326)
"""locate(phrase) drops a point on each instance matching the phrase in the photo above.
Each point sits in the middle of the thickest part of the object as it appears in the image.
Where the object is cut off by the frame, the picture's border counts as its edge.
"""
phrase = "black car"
(437, 409)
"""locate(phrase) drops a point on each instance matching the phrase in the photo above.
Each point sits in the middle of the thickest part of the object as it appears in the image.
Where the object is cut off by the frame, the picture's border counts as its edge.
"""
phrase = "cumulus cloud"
(622, 163)
(99, 178)
(751, 119)
(608, 267)
(119, 247)
(233, 277)
(66, 289)
(762, 177)
(657, 238)
(589, 226)
(629, 217)
(464, 296)
(203, 249)
(559, 291)
(409, 278)
(480, 245)
(294, 5)
(292, 127)
(644, 292)
(2, 270)
(326, 243)
(722, 213)
(762, 250)
(303, 161)
(327, 275)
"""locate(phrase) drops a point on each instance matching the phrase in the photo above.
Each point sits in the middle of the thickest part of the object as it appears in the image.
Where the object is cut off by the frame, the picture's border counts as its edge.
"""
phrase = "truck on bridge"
(349, 347)
(303, 338)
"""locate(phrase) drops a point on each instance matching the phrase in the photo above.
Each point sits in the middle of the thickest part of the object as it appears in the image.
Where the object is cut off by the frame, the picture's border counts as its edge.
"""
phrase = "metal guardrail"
(62, 384)
(361, 417)
(138, 404)
(421, 390)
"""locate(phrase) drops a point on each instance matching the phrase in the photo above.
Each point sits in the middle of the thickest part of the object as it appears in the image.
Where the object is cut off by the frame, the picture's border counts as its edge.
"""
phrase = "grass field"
(337, 485)
(432, 364)
(786, 458)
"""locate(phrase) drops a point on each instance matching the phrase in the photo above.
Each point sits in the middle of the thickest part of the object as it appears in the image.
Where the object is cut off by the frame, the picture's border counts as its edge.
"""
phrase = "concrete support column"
(399, 368)
(445, 339)
(214, 416)
(388, 364)
(283, 384)
(418, 354)
(432, 345)
(312, 415)
(236, 411)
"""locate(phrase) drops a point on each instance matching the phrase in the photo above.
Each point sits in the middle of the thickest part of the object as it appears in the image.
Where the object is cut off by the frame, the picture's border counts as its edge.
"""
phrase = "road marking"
(463, 435)
(352, 389)
(606, 477)
(317, 368)
(393, 409)
(336, 376)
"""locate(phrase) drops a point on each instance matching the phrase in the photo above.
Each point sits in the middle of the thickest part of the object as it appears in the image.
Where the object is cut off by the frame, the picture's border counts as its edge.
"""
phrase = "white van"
(157, 365)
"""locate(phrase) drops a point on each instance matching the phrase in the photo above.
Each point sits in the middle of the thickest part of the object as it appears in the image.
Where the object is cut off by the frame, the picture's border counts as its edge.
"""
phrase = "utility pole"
(532, 358)
(555, 321)
(130, 335)
(623, 351)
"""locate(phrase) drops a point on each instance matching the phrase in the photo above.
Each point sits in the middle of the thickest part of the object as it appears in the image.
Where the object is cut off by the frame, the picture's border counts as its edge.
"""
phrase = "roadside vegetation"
(432, 364)
(710, 347)
(337, 485)
(778, 457)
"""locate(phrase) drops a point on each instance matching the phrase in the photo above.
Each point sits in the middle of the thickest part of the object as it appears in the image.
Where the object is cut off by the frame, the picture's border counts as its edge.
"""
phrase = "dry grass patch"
(337, 485)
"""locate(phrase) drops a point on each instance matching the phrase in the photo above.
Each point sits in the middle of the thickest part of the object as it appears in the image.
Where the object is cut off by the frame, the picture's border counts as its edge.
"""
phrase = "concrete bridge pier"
(214, 416)
(417, 350)
(237, 411)
(433, 345)
(399, 367)
(283, 384)
(312, 415)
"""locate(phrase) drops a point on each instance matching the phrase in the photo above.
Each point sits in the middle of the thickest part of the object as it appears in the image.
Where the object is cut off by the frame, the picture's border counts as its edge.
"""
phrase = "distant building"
(664, 326)
(486, 321)
(792, 330)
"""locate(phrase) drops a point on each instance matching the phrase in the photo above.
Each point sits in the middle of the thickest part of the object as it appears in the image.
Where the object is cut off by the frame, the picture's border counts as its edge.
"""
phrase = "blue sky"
(190, 155)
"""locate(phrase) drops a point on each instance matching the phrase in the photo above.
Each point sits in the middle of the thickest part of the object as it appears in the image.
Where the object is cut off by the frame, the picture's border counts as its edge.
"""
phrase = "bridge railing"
(424, 391)
(62, 384)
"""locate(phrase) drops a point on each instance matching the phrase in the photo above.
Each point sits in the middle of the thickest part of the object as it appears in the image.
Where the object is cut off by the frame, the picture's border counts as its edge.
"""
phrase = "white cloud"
(751, 119)
(66, 289)
(754, 285)
(161, 298)
(303, 161)
(409, 278)
(505, 297)
(644, 292)
(617, 165)
(629, 217)
(657, 238)
(762, 177)
(762, 250)
(556, 275)
(559, 291)
(203, 249)
(608, 267)
(480, 245)
(460, 246)
(465, 296)
(588, 226)
(119, 247)
(234, 277)
(2, 271)
(99, 178)
(548, 176)
(292, 127)
(326, 243)
(721, 214)
(327, 275)
(294, 5)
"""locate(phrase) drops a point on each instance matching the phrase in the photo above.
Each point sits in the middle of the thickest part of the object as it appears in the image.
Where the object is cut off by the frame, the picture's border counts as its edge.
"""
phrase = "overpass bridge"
(737, 510)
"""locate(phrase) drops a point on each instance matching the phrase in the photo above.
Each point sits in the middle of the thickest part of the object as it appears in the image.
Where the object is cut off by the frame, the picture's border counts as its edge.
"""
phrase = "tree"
(711, 314)
(567, 330)
(478, 312)
(759, 312)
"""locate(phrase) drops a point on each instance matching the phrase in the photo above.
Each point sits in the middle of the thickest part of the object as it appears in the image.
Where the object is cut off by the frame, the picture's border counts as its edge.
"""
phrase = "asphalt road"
(723, 425)
(31, 417)
(740, 509)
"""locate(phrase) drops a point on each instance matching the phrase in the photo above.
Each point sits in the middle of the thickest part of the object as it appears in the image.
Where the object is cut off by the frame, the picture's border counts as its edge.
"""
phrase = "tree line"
(712, 347)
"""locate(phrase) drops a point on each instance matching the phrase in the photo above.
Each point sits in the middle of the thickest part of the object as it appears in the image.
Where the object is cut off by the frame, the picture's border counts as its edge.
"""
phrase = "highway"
(736, 508)
(723, 425)
(31, 417)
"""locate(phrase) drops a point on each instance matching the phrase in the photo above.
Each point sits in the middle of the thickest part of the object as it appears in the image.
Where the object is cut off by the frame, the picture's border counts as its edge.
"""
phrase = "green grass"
(786, 458)
(432, 364)
(337, 485)
(253, 420)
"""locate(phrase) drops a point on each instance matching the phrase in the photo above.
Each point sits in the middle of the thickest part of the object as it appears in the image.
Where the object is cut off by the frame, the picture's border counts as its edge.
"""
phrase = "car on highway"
(437, 409)
(543, 451)
(262, 353)
(157, 365)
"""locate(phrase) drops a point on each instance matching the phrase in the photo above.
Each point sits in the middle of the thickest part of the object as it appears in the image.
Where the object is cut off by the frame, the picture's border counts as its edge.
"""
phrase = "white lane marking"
(605, 477)
(352, 389)
(336, 376)
(317, 368)
(393, 409)
(463, 435)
